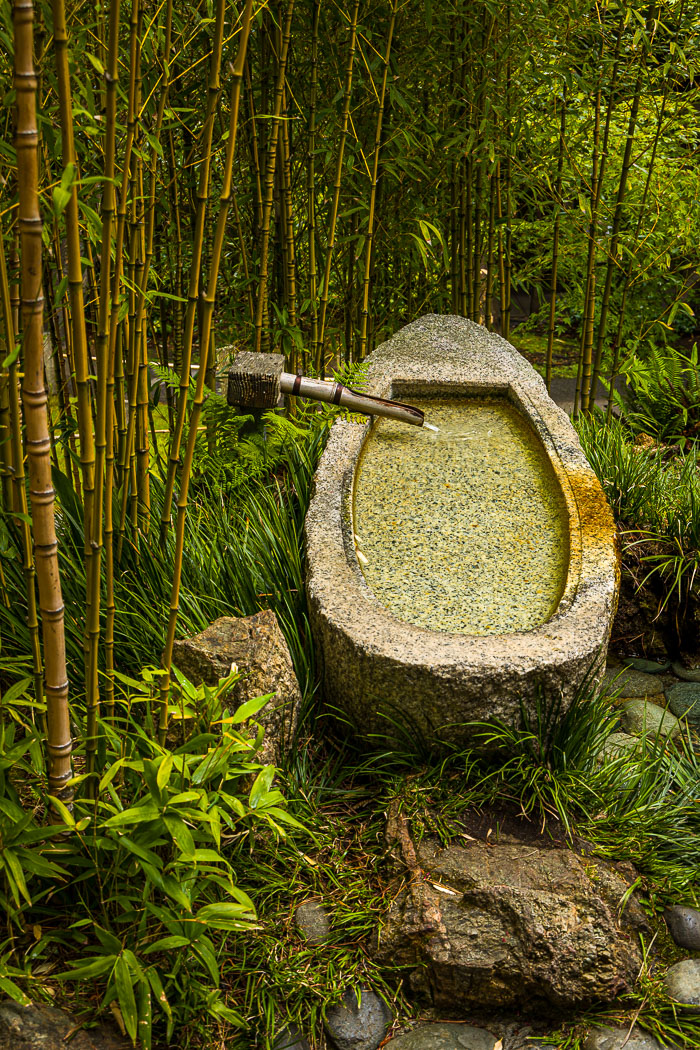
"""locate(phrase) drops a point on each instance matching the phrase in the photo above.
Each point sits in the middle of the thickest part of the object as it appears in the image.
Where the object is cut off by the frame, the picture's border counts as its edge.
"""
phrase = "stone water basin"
(488, 573)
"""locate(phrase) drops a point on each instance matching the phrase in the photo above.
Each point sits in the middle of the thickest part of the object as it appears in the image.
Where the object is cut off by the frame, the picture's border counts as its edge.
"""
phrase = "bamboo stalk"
(213, 89)
(311, 182)
(35, 403)
(269, 188)
(207, 315)
(333, 221)
(488, 315)
(369, 236)
(555, 242)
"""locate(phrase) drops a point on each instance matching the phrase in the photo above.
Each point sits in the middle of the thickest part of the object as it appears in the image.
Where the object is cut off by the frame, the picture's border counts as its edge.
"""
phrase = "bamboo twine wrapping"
(254, 380)
(35, 403)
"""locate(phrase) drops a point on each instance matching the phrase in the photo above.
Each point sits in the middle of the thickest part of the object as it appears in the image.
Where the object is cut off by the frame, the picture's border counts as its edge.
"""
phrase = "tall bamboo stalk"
(369, 236)
(333, 220)
(207, 315)
(213, 89)
(269, 187)
(311, 179)
(35, 403)
(555, 240)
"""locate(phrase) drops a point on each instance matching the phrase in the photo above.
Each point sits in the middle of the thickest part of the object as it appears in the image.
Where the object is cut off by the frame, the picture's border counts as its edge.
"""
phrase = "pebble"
(684, 701)
(290, 1038)
(353, 1025)
(444, 1037)
(647, 666)
(617, 744)
(312, 922)
(646, 717)
(617, 1038)
(684, 926)
(688, 674)
(629, 683)
(683, 983)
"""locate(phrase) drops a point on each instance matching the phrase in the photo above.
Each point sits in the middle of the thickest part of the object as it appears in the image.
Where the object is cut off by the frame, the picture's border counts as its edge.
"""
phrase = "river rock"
(43, 1027)
(619, 1038)
(358, 1025)
(618, 744)
(512, 925)
(683, 983)
(444, 1037)
(684, 926)
(647, 666)
(645, 717)
(629, 683)
(312, 922)
(258, 648)
(684, 701)
(688, 674)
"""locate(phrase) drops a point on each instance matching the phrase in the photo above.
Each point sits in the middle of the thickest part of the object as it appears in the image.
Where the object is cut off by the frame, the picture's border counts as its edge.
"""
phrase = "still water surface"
(464, 530)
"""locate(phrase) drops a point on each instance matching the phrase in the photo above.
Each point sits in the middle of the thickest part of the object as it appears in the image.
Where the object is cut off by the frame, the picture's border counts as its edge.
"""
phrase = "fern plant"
(665, 395)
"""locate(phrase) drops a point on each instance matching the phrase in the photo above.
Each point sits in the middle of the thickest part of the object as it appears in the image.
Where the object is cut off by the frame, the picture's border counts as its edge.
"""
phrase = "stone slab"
(380, 670)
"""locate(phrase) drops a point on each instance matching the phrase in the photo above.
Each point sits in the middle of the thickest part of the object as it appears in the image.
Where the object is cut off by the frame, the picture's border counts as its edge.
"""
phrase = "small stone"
(647, 666)
(684, 701)
(42, 1027)
(358, 1025)
(617, 1038)
(629, 683)
(684, 926)
(444, 1037)
(683, 983)
(645, 717)
(312, 922)
(618, 744)
(688, 674)
(290, 1037)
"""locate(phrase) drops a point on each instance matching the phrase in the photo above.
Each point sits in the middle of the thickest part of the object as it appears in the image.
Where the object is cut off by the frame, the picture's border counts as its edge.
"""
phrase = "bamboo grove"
(305, 175)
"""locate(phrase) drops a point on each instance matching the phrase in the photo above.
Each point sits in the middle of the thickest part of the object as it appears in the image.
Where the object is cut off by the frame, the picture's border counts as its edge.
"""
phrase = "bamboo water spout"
(257, 381)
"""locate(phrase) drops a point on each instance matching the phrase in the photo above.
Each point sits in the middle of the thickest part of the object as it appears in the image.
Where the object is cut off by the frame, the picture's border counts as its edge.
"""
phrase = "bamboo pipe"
(336, 394)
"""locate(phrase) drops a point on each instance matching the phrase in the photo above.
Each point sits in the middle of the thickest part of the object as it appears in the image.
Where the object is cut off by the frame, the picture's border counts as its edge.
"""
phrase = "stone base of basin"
(383, 672)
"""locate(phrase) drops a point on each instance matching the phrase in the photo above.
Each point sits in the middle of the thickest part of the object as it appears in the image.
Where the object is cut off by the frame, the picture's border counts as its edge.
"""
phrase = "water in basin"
(464, 530)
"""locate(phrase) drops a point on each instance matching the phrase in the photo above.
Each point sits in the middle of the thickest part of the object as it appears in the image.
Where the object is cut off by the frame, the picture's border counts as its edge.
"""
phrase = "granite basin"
(390, 676)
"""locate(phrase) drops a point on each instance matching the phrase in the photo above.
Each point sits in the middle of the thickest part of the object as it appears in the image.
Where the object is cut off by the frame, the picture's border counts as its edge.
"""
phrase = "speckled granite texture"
(380, 669)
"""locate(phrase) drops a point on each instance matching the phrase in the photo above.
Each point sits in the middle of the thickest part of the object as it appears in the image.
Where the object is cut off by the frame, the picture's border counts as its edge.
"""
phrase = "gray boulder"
(512, 925)
(444, 1037)
(358, 1025)
(683, 983)
(684, 926)
(312, 922)
(42, 1027)
(628, 682)
(258, 648)
(644, 717)
(621, 1039)
(688, 674)
(684, 701)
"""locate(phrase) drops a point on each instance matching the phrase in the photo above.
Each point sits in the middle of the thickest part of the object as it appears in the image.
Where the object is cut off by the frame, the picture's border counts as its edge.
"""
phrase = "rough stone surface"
(688, 674)
(432, 681)
(683, 983)
(684, 926)
(643, 716)
(630, 683)
(354, 1025)
(619, 1038)
(684, 701)
(511, 925)
(444, 1037)
(312, 922)
(43, 1027)
(290, 1038)
(258, 648)
(618, 744)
